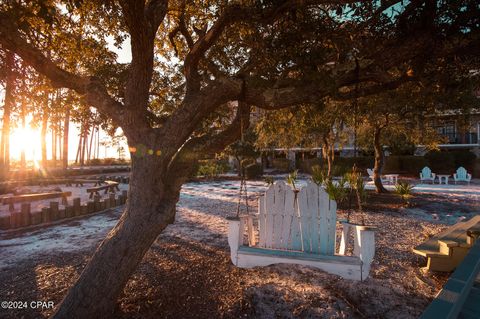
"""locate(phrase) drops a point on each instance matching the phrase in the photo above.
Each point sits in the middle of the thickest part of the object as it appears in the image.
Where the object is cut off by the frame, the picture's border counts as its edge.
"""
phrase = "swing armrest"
(247, 222)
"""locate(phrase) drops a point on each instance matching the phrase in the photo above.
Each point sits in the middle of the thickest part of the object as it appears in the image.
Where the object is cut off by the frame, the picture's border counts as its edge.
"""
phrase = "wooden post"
(62, 213)
(25, 210)
(54, 210)
(4, 222)
(46, 216)
(96, 203)
(84, 209)
(77, 211)
(16, 219)
(69, 212)
(36, 218)
(64, 200)
(90, 207)
(124, 195)
(118, 200)
(112, 200)
(102, 204)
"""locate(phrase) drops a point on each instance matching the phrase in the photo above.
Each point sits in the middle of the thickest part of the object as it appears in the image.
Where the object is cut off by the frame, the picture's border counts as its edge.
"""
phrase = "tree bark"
(92, 134)
(9, 103)
(379, 161)
(66, 127)
(150, 208)
(43, 135)
(54, 144)
(326, 155)
(23, 163)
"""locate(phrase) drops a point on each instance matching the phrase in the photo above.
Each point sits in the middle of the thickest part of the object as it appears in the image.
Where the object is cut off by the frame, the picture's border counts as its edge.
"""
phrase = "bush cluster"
(439, 162)
(253, 171)
(281, 164)
(448, 162)
(212, 168)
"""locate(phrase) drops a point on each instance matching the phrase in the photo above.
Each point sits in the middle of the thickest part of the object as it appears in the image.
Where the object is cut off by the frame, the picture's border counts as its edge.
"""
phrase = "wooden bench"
(27, 198)
(299, 227)
(80, 182)
(460, 296)
(110, 186)
(447, 249)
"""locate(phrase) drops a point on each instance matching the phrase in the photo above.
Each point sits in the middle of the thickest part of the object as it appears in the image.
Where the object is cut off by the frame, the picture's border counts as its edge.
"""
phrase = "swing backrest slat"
(301, 221)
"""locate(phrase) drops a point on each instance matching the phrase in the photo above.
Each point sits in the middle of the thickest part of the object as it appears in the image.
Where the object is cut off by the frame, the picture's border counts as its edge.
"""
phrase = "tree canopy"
(191, 58)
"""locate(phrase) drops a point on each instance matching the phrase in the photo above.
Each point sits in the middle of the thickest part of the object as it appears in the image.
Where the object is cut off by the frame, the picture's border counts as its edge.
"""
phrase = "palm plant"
(357, 186)
(318, 175)
(292, 178)
(268, 180)
(404, 190)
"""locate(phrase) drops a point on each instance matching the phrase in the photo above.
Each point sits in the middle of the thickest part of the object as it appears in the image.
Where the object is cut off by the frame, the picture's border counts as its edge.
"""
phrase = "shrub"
(308, 164)
(108, 161)
(404, 190)
(343, 165)
(282, 164)
(292, 178)
(269, 180)
(476, 168)
(253, 171)
(412, 164)
(223, 166)
(441, 162)
(95, 161)
(211, 168)
(447, 162)
(318, 175)
(337, 191)
(392, 164)
(464, 158)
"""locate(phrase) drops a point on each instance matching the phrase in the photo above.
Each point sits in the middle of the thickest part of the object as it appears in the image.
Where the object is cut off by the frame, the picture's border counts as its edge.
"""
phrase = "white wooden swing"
(299, 227)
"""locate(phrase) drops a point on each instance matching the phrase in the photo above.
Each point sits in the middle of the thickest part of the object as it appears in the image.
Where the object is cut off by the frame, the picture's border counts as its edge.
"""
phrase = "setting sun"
(25, 139)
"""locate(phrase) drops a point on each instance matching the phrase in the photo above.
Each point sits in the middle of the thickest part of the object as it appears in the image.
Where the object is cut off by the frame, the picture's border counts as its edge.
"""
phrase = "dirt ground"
(187, 273)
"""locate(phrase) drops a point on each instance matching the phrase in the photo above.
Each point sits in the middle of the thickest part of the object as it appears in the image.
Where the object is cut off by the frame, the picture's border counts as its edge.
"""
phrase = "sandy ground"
(187, 273)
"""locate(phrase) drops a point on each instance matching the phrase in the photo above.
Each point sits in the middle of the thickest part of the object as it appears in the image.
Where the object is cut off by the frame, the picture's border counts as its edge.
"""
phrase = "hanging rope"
(243, 180)
(243, 192)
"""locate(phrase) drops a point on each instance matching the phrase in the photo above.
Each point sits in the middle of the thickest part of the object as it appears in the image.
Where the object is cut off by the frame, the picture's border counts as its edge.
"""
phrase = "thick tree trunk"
(54, 145)
(59, 142)
(98, 143)
(77, 157)
(23, 162)
(43, 135)
(66, 126)
(89, 156)
(9, 102)
(379, 161)
(150, 208)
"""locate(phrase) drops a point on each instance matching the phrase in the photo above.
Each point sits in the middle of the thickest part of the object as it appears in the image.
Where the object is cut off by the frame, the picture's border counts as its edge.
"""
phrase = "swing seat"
(299, 227)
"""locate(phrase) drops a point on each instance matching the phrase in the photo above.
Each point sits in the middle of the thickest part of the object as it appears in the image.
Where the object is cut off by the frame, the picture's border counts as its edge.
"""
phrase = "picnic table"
(110, 186)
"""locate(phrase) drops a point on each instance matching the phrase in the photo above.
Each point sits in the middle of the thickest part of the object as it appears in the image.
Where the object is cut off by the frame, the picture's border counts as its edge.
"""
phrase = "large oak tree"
(190, 58)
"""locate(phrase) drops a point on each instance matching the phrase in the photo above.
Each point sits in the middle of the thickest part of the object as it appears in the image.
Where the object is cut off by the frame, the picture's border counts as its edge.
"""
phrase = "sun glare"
(25, 139)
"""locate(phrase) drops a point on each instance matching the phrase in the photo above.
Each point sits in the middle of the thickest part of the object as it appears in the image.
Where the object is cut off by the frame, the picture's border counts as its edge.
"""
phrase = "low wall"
(56, 211)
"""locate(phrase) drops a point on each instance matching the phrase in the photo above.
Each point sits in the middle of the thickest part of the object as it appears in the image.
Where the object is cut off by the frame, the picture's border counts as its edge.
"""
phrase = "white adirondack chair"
(427, 175)
(462, 176)
(300, 228)
(370, 175)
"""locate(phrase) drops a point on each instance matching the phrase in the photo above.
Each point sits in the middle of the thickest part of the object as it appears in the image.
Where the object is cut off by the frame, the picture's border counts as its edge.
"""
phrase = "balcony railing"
(466, 138)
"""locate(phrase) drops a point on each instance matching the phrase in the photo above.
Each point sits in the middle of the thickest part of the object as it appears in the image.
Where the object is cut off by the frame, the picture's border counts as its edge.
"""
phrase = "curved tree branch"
(91, 88)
